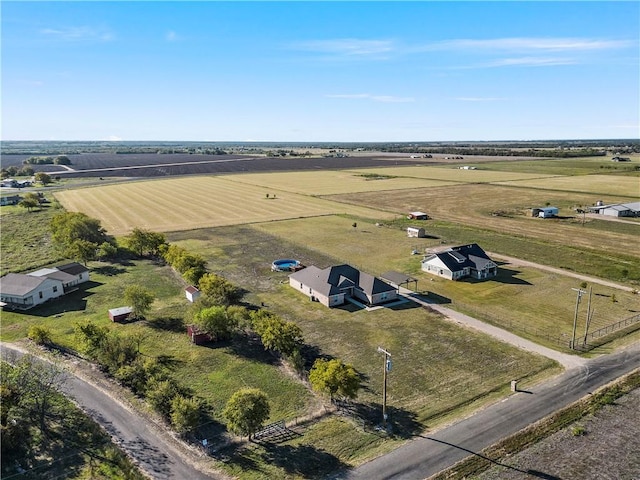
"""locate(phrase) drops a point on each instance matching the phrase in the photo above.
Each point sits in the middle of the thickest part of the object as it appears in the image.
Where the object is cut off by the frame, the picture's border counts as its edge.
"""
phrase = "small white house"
(418, 216)
(22, 292)
(416, 232)
(192, 293)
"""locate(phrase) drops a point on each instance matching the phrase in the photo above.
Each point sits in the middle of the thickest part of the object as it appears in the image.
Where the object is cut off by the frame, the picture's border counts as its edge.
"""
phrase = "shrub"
(40, 335)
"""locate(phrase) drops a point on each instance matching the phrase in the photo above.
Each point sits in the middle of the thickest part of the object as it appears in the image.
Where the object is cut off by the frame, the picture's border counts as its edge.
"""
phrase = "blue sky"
(320, 71)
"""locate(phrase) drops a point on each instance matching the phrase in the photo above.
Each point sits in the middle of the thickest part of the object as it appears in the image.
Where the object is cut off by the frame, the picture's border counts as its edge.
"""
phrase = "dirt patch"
(601, 446)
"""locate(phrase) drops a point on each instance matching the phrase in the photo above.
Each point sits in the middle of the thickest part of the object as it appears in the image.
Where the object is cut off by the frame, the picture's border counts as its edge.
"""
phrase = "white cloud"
(171, 36)
(528, 44)
(114, 138)
(72, 34)
(375, 98)
(351, 47)
(480, 99)
(531, 62)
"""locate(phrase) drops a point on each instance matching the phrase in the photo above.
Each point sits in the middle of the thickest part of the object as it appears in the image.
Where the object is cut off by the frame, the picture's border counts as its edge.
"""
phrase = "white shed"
(416, 232)
(192, 293)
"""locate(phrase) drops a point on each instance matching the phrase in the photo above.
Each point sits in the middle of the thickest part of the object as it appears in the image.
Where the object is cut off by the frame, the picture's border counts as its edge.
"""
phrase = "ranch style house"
(334, 285)
(21, 291)
(460, 262)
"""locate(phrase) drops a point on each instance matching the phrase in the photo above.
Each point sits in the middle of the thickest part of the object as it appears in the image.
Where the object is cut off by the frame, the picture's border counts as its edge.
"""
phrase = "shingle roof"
(73, 268)
(331, 280)
(19, 284)
(461, 257)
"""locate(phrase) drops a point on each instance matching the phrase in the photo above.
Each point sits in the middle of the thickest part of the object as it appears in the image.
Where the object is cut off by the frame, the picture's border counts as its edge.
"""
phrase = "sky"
(320, 71)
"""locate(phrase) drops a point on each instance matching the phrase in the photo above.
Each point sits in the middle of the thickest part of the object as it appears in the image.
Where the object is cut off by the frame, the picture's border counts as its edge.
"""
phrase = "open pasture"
(453, 174)
(331, 182)
(505, 209)
(194, 202)
(613, 185)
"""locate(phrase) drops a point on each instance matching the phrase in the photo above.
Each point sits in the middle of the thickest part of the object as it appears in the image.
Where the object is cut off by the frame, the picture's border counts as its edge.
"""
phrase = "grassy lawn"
(519, 298)
(213, 373)
(26, 241)
(169, 205)
(563, 166)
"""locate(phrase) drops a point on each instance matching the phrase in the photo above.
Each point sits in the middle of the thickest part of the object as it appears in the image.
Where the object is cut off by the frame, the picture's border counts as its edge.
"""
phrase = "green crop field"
(194, 202)
(332, 182)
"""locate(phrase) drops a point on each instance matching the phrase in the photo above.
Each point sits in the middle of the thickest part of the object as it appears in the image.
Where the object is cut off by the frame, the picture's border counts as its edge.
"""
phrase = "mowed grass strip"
(562, 166)
(617, 185)
(194, 202)
(332, 182)
(452, 174)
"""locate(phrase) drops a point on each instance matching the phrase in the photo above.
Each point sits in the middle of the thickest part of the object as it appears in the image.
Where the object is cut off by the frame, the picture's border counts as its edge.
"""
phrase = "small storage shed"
(120, 314)
(192, 293)
(197, 336)
(417, 216)
(544, 212)
(416, 232)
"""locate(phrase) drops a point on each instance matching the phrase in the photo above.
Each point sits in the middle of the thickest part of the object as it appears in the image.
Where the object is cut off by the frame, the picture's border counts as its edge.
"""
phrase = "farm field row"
(563, 166)
(613, 185)
(194, 202)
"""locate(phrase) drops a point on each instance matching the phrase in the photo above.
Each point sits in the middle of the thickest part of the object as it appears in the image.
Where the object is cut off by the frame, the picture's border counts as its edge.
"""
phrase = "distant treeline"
(58, 160)
(538, 148)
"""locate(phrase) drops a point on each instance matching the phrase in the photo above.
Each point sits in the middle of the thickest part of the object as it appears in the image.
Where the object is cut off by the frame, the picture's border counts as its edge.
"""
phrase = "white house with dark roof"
(460, 262)
(24, 291)
(333, 285)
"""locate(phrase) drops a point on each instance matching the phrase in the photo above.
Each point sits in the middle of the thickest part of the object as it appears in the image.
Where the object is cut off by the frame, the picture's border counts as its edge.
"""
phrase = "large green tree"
(219, 290)
(43, 178)
(68, 227)
(144, 242)
(246, 411)
(139, 299)
(278, 334)
(217, 322)
(185, 413)
(334, 377)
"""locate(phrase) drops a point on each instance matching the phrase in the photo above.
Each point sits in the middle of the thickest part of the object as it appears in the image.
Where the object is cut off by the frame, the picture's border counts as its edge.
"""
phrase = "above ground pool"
(285, 265)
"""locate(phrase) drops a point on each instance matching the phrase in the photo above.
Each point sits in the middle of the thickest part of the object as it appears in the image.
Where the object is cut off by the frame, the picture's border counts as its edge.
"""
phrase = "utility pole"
(386, 368)
(575, 317)
(589, 315)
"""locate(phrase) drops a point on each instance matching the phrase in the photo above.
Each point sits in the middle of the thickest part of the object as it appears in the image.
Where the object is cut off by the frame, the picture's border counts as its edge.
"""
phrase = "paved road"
(158, 458)
(430, 454)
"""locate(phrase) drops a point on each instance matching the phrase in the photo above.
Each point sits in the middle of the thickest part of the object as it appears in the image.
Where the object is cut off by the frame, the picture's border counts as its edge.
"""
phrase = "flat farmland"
(195, 202)
(330, 182)
(614, 185)
(453, 174)
(475, 204)
(563, 166)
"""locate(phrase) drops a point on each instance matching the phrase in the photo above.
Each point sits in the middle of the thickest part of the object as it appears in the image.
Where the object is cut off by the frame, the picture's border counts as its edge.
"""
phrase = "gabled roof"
(461, 257)
(73, 268)
(191, 289)
(19, 284)
(332, 280)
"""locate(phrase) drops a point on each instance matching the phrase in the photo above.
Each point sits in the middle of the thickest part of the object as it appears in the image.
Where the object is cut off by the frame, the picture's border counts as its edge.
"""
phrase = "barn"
(120, 314)
(416, 232)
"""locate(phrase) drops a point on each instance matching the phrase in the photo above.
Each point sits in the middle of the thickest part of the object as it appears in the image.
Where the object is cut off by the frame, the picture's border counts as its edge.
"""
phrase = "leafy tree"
(67, 227)
(62, 160)
(240, 316)
(278, 334)
(82, 250)
(25, 172)
(194, 274)
(139, 299)
(185, 413)
(90, 337)
(246, 411)
(43, 178)
(143, 241)
(219, 289)
(334, 377)
(40, 335)
(106, 251)
(160, 395)
(216, 322)
(29, 203)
